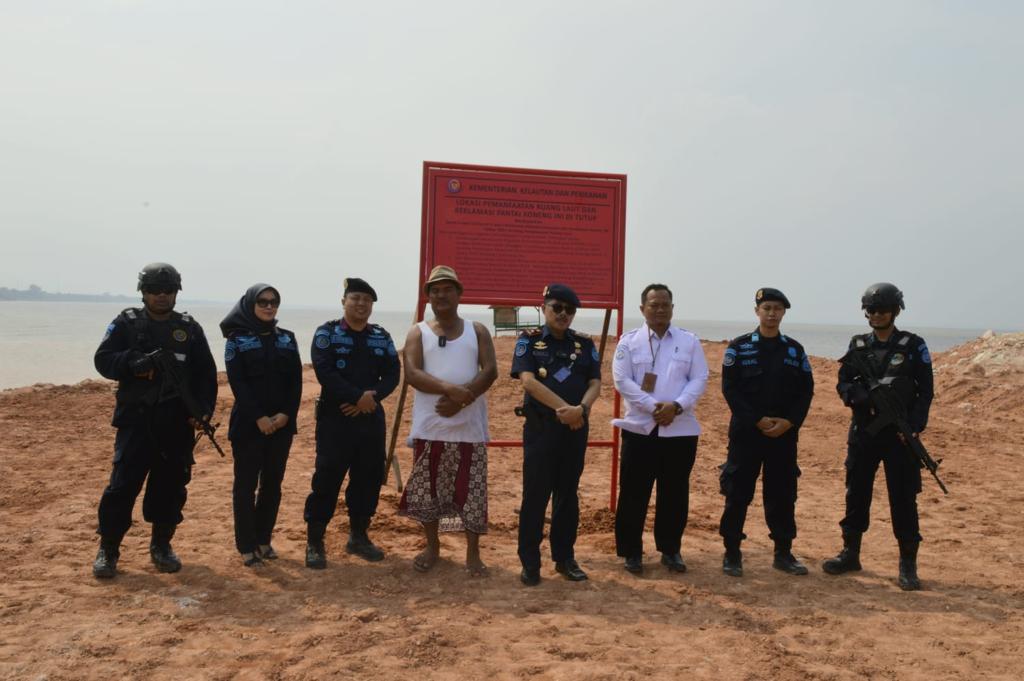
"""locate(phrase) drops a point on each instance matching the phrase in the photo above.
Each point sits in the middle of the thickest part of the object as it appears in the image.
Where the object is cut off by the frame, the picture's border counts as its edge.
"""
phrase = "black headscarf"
(243, 317)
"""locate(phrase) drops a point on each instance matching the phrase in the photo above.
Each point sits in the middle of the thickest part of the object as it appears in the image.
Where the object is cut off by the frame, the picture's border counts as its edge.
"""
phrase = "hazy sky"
(812, 146)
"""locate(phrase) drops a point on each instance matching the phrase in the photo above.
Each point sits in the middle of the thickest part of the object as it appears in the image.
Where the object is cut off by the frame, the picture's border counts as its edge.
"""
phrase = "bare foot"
(425, 559)
(476, 568)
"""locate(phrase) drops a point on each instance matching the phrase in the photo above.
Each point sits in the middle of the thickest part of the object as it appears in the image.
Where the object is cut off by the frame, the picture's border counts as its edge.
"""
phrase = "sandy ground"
(218, 620)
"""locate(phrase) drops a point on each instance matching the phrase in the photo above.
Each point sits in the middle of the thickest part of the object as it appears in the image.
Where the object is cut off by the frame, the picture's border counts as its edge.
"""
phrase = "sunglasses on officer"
(878, 309)
(559, 308)
(157, 290)
(268, 302)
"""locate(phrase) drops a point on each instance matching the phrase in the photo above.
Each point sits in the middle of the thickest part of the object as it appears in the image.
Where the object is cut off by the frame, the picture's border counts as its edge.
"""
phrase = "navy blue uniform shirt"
(764, 376)
(349, 362)
(265, 373)
(564, 366)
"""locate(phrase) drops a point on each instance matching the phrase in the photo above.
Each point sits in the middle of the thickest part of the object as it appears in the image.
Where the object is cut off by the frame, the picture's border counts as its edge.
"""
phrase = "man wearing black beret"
(561, 375)
(767, 381)
(357, 366)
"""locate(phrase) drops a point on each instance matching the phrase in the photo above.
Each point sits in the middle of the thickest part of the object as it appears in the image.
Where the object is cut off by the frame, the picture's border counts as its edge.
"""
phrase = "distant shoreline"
(35, 294)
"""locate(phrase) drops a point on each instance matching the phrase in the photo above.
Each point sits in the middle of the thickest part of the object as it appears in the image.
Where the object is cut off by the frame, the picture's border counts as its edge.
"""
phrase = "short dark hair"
(654, 287)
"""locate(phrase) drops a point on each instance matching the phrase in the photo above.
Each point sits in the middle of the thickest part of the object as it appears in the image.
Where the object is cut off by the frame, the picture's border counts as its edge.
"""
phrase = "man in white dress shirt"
(660, 371)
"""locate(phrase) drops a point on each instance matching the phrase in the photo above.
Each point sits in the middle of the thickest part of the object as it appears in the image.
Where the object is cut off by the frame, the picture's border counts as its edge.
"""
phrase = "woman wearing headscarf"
(265, 373)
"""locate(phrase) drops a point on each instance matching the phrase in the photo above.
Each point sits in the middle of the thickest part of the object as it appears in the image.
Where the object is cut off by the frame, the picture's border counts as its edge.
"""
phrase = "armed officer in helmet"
(901, 360)
(357, 365)
(155, 437)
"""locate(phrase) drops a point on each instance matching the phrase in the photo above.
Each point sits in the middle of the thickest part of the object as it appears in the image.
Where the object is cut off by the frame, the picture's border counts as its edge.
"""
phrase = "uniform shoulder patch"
(926, 356)
(110, 329)
(522, 345)
(593, 353)
(230, 350)
(729, 358)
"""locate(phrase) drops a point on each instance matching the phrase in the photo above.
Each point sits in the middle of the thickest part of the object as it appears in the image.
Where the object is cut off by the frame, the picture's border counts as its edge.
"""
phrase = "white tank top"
(457, 362)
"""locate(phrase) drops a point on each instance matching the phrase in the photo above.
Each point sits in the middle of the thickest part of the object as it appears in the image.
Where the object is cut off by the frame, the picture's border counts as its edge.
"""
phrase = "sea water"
(54, 342)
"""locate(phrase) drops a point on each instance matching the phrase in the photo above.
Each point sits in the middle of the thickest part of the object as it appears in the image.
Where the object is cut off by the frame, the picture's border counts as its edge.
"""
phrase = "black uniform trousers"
(259, 463)
(902, 479)
(553, 457)
(156, 452)
(749, 454)
(646, 459)
(353, 446)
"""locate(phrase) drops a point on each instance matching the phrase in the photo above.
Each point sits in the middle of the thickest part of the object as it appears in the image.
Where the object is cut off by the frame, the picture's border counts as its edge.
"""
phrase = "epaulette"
(131, 313)
(532, 332)
(379, 328)
(186, 317)
(573, 333)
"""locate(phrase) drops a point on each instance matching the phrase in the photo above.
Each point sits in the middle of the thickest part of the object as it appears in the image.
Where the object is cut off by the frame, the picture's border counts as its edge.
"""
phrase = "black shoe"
(571, 570)
(164, 558)
(634, 564)
(530, 576)
(732, 563)
(316, 555)
(251, 559)
(674, 562)
(908, 579)
(788, 563)
(105, 565)
(364, 548)
(848, 559)
(267, 553)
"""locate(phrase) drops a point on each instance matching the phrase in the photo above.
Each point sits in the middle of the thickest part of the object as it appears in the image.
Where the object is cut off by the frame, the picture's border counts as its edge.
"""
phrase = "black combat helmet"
(159, 274)
(882, 294)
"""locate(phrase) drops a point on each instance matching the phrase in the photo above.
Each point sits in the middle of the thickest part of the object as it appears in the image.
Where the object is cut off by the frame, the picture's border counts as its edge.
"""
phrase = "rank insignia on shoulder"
(179, 335)
(535, 331)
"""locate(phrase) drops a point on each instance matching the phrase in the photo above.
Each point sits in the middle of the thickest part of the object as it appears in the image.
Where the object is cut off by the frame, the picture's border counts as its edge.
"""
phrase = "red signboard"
(509, 232)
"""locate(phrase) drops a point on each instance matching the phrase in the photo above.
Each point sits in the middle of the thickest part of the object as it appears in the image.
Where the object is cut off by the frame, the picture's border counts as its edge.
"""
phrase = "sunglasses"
(268, 302)
(877, 309)
(157, 290)
(559, 308)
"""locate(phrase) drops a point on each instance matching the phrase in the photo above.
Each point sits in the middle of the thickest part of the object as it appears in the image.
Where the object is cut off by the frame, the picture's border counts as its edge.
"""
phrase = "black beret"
(561, 292)
(357, 285)
(764, 294)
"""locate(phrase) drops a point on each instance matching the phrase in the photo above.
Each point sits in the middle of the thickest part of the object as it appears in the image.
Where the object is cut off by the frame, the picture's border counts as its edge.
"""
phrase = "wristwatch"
(679, 408)
(586, 410)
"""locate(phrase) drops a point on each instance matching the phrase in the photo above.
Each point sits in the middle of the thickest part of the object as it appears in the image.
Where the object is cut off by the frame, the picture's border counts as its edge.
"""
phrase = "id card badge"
(650, 380)
(562, 374)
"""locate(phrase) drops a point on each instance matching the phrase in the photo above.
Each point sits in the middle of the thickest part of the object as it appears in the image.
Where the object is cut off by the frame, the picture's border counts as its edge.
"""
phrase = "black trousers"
(158, 454)
(553, 457)
(646, 459)
(259, 463)
(748, 455)
(902, 480)
(352, 446)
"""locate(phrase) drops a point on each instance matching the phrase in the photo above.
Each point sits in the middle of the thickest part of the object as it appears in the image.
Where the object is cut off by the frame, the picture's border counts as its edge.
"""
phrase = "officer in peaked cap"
(357, 366)
(561, 375)
(767, 382)
(155, 437)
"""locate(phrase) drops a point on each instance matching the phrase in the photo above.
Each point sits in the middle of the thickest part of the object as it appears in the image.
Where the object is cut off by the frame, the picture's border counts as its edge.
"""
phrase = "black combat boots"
(848, 559)
(105, 565)
(785, 560)
(908, 579)
(359, 543)
(316, 554)
(732, 562)
(160, 551)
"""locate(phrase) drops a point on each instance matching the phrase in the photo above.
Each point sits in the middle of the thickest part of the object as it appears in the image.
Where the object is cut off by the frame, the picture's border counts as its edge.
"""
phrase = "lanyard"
(650, 344)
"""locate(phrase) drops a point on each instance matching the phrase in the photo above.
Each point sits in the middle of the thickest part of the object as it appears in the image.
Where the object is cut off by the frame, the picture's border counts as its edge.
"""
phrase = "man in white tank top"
(450, 364)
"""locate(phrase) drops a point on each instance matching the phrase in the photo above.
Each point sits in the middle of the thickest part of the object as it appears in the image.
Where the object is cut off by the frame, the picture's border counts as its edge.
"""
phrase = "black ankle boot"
(160, 551)
(105, 565)
(732, 562)
(316, 554)
(908, 579)
(359, 543)
(785, 560)
(848, 559)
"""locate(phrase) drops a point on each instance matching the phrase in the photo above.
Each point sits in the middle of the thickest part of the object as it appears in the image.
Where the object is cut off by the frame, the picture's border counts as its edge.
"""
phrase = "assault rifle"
(889, 409)
(167, 365)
